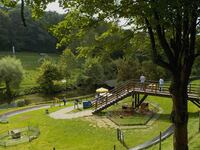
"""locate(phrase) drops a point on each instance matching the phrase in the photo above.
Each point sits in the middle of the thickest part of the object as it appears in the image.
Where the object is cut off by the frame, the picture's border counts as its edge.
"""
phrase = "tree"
(11, 73)
(67, 65)
(152, 71)
(127, 69)
(48, 74)
(93, 72)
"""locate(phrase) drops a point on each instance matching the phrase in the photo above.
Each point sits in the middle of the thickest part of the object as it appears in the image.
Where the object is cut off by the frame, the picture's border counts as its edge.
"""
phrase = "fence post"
(114, 147)
(160, 141)
(118, 134)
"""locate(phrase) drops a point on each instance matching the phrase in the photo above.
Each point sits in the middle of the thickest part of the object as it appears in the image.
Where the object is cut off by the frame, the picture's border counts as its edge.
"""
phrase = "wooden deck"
(134, 88)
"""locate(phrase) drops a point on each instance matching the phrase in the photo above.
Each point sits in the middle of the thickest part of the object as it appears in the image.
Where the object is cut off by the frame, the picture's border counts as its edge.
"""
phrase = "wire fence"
(26, 134)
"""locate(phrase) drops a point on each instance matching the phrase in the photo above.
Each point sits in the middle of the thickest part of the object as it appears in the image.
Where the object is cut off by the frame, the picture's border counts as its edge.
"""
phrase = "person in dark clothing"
(64, 101)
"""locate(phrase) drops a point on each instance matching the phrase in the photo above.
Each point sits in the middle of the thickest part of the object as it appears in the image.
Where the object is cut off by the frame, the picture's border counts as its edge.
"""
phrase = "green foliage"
(11, 74)
(21, 103)
(152, 71)
(127, 69)
(48, 74)
(67, 64)
(93, 72)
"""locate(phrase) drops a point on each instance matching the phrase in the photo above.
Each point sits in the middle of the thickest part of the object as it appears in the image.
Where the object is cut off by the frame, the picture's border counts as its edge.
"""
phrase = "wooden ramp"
(135, 89)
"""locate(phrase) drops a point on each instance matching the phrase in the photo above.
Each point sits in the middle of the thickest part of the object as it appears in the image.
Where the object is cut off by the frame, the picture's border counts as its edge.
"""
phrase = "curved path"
(155, 140)
(23, 110)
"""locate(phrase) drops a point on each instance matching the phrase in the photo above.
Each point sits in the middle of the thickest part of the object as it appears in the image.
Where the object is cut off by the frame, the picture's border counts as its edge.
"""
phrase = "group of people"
(64, 100)
(142, 82)
(57, 101)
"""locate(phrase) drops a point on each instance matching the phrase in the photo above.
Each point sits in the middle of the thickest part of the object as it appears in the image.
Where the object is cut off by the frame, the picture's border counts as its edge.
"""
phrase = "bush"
(21, 103)
(28, 91)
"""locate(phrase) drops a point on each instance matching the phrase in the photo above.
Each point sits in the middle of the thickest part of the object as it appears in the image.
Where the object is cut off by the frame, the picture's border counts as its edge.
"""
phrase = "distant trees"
(152, 71)
(34, 37)
(11, 74)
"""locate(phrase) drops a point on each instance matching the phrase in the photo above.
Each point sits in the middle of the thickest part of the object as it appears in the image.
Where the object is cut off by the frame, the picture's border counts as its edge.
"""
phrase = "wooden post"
(199, 121)
(118, 134)
(114, 147)
(133, 102)
(160, 141)
(96, 103)
(156, 88)
(138, 99)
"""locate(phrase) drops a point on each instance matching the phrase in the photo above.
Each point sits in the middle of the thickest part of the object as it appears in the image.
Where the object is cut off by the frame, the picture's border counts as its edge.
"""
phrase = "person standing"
(142, 80)
(161, 83)
(64, 101)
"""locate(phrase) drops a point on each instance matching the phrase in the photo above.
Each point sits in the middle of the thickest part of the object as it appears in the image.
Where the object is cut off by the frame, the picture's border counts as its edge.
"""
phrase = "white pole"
(13, 49)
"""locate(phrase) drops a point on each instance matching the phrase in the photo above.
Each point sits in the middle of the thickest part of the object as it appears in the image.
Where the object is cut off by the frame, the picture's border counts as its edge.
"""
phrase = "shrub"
(21, 103)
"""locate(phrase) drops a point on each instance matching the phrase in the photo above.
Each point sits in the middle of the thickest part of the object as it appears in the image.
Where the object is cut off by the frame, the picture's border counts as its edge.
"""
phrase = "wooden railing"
(149, 87)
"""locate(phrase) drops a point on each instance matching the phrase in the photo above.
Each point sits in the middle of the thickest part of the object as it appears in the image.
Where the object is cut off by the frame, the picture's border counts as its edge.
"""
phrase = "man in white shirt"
(161, 83)
(142, 80)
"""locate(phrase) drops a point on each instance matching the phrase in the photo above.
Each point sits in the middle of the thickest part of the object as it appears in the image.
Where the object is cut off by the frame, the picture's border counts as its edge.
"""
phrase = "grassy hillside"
(30, 62)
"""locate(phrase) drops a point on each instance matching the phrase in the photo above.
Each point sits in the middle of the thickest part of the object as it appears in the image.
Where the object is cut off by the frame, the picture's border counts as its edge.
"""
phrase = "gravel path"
(65, 113)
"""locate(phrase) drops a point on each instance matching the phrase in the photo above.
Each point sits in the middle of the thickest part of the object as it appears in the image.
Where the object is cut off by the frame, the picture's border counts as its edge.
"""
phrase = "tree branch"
(22, 13)
(162, 39)
(156, 58)
(193, 31)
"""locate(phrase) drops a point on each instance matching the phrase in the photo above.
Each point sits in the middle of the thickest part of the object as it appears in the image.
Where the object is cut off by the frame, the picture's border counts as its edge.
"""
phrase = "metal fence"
(30, 134)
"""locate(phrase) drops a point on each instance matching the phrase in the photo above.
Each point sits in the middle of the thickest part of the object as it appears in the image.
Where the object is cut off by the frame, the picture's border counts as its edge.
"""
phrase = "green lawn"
(63, 134)
(79, 134)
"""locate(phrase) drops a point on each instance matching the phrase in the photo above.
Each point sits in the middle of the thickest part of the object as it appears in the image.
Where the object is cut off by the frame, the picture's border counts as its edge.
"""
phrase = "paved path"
(65, 113)
(23, 110)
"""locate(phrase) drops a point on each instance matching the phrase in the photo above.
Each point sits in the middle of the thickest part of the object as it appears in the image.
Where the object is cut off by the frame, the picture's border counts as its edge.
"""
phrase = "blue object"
(87, 104)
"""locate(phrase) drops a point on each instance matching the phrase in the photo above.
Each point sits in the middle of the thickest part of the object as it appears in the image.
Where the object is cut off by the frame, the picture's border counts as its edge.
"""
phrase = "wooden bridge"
(136, 89)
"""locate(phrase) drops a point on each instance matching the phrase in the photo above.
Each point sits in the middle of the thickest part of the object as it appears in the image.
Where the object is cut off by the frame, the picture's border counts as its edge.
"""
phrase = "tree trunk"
(178, 90)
